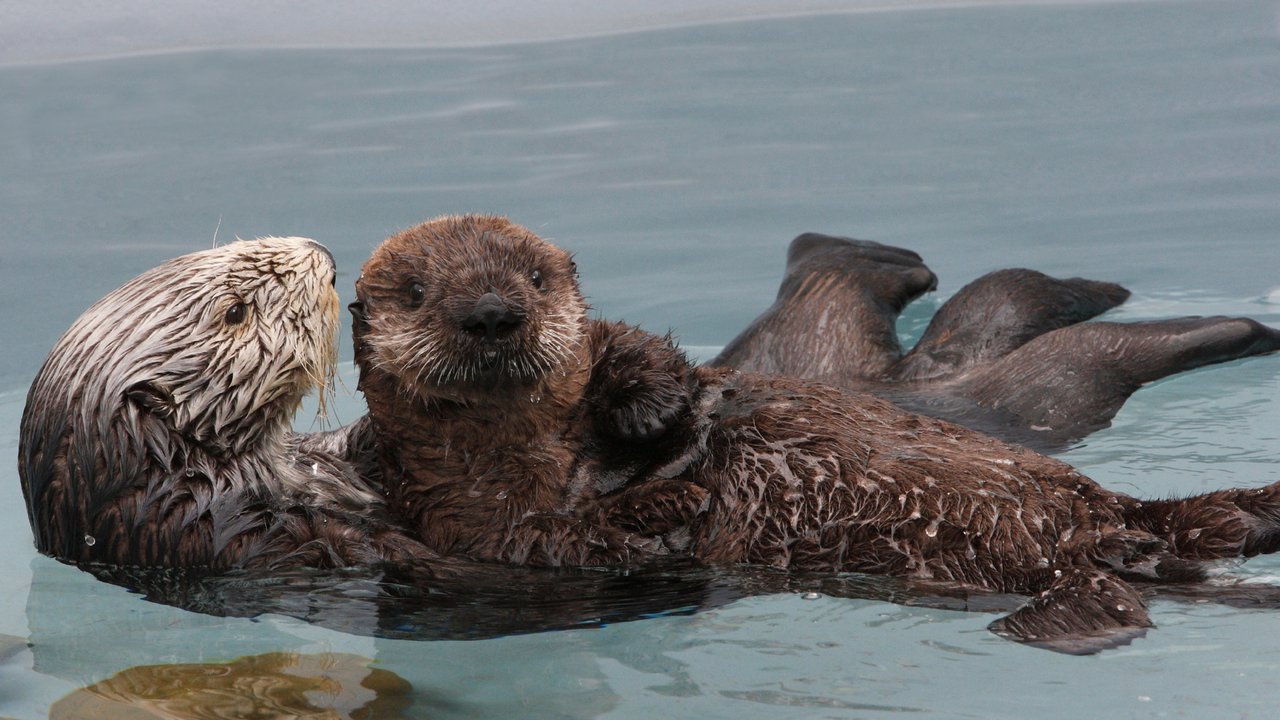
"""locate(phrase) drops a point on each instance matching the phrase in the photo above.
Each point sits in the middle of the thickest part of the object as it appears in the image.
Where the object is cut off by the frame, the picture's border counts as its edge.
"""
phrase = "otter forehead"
(282, 279)
(199, 317)
(250, 264)
(467, 249)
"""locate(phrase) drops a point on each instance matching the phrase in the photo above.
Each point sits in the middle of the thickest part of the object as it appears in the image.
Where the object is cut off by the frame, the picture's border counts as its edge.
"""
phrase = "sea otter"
(481, 366)
(157, 434)
(1009, 354)
(157, 431)
(476, 357)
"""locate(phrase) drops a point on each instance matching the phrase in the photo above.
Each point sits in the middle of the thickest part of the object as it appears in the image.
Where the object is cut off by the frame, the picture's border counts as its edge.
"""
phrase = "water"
(1133, 142)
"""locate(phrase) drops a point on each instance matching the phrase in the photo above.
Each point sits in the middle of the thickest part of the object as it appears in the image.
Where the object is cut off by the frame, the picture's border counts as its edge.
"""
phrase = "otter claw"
(635, 423)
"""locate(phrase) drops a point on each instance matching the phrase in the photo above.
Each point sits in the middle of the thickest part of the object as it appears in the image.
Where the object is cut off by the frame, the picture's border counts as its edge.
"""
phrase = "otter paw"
(646, 418)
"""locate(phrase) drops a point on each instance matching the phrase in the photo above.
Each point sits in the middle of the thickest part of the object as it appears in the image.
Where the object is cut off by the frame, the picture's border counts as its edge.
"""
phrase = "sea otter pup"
(479, 365)
(476, 357)
(157, 431)
(1010, 354)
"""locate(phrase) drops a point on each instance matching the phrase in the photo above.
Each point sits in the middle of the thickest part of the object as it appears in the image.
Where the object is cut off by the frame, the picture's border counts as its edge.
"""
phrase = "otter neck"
(527, 415)
(454, 468)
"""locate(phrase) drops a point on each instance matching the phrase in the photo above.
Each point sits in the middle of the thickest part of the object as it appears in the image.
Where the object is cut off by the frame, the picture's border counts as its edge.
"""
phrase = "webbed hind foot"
(835, 316)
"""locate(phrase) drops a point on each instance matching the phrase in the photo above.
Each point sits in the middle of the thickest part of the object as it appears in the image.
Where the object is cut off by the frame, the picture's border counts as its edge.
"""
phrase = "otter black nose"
(491, 319)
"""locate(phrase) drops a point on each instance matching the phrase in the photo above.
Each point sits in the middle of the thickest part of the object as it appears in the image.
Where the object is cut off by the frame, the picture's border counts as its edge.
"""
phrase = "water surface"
(1131, 142)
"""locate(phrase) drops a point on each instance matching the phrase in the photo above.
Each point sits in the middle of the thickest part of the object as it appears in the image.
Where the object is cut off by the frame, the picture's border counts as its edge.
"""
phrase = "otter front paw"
(647, 415)
(638, 389)
(657, 508)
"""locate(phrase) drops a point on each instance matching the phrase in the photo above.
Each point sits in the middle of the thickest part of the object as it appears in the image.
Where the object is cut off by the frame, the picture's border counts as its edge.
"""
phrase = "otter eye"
(235, 314)
(536, 278)
(417, 293)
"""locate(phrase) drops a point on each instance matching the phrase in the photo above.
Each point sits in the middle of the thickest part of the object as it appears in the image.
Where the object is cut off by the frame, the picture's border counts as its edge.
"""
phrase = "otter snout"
(333, 264)
(491, 319)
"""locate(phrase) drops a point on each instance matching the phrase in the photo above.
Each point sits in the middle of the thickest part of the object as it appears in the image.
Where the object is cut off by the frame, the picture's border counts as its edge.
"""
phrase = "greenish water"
(1132, 142)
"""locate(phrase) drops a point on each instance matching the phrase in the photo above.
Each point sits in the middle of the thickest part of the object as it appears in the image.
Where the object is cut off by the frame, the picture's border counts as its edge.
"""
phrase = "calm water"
(1133, 142)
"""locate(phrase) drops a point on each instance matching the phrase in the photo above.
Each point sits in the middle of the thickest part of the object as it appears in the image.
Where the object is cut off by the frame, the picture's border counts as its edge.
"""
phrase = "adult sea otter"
(476, 355)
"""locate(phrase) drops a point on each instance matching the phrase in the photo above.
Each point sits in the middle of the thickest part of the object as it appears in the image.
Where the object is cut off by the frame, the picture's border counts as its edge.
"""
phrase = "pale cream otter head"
(198, 363)
(472, 308)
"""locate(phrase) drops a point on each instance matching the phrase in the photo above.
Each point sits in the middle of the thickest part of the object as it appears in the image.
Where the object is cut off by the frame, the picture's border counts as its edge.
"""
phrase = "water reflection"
(480, 601)
(476, 602)
(693, 620)
(272, 685)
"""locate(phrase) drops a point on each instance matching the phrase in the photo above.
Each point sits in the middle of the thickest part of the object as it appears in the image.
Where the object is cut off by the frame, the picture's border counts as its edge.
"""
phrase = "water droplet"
(810, 596)
(1195, 533)
(1121, 608)
(932, 530)
(1043, 562)
(191, 473)
(502, 495)
(1057, 573)
(535, 399)
(90, 540)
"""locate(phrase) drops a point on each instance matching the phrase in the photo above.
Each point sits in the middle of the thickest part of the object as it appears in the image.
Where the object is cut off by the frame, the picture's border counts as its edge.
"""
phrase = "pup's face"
(468, 307)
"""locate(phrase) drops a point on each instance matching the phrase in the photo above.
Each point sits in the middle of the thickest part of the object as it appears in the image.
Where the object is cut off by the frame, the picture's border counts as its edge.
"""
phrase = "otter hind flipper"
(835, 314)
(1231, 523)
(1080, 613)
(999, 312)
(1068, 383)
(831, 249)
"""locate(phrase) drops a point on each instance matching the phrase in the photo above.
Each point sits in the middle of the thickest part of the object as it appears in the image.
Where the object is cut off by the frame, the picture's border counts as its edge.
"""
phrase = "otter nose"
(333, 265)
(491, 319)
(322, 250)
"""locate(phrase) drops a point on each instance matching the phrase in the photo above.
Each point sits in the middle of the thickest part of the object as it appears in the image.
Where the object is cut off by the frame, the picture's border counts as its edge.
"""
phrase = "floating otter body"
(157, 431)
(484, 446)
(1010, 354)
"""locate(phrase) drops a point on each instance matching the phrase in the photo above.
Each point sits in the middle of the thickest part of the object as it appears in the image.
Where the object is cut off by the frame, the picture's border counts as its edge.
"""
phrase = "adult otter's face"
(218, 346)
(464, 307)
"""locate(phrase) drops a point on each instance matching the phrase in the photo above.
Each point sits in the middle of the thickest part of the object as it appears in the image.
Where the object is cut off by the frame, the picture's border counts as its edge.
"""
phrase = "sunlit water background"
(1132, 142)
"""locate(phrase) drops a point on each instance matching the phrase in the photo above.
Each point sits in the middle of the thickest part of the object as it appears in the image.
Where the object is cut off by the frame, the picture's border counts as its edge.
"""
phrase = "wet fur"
(157, 431)
(453, 435)
(762, 470)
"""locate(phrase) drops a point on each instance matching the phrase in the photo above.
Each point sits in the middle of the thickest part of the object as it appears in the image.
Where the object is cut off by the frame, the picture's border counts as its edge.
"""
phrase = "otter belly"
(809, 477)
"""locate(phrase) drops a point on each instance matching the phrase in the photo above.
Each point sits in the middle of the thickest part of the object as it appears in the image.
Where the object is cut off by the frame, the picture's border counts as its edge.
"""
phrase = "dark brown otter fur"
(157, 432)
(770, 471)
(480, 367)
(1009, 354)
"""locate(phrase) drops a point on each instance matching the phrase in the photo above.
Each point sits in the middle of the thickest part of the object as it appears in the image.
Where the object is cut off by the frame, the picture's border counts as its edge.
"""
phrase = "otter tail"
(1231, 523)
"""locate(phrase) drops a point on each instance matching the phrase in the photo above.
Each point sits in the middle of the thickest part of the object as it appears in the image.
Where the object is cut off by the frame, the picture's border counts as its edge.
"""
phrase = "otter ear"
(151, 398)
